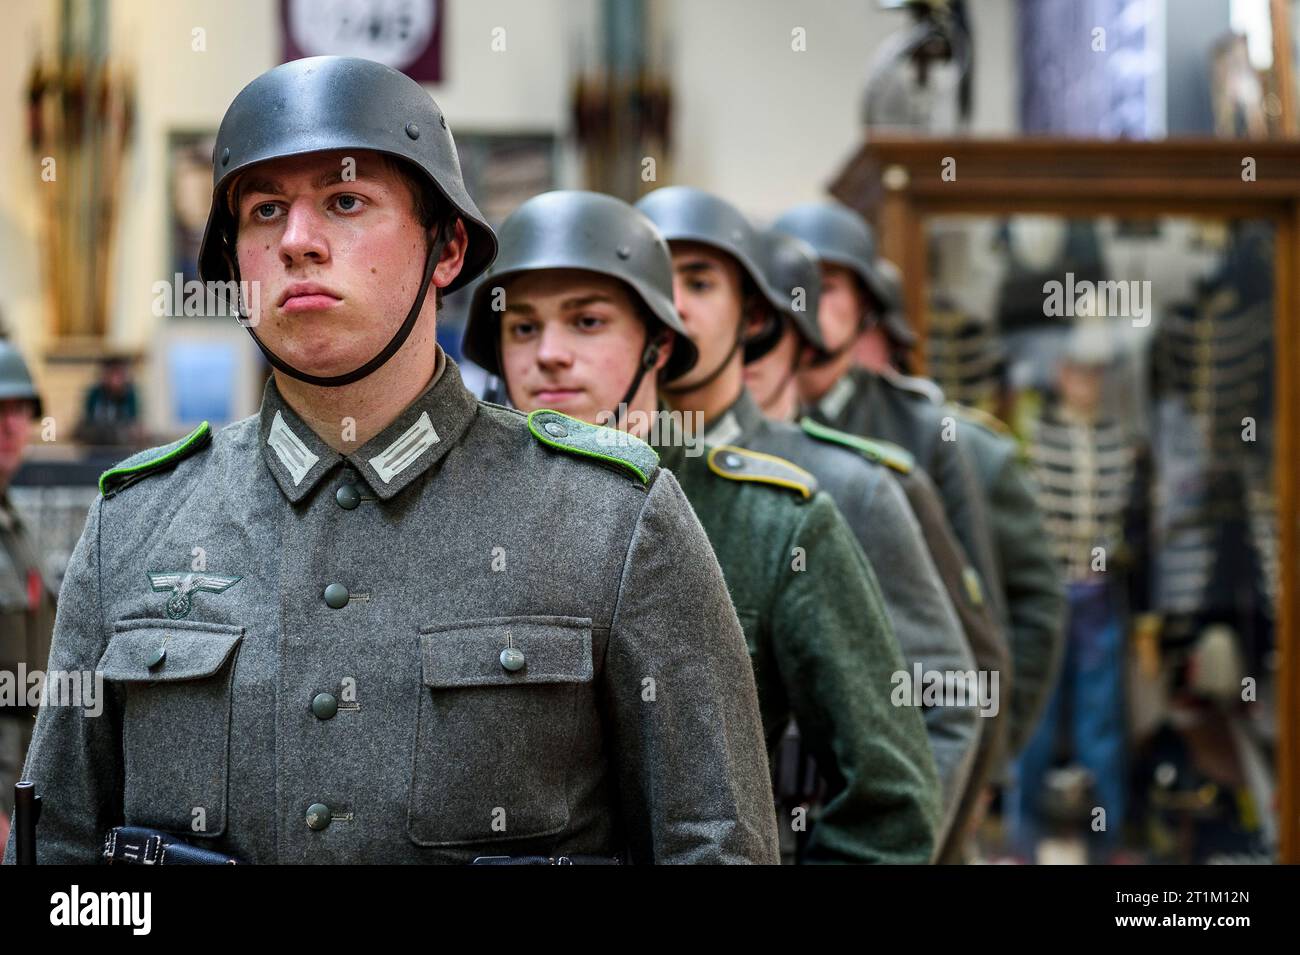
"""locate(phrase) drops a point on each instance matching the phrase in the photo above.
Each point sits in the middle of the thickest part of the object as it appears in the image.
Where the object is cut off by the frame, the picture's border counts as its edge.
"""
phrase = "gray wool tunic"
(332, 686)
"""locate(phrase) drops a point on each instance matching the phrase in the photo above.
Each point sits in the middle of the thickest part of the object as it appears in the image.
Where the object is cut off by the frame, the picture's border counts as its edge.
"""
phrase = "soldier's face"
(709, 295)
(841, 306)
(571, 341)
(839, 314)
(770, 377)
(15, 426)
(339, 259)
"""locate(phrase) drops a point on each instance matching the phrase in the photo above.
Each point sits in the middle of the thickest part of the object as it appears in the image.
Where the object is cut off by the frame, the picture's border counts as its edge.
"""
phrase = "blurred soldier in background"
(1032, 596)
(26, 602)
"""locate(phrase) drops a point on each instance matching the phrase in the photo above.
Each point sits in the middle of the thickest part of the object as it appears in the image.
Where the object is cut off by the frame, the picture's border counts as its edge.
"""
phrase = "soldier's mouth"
(552, 395)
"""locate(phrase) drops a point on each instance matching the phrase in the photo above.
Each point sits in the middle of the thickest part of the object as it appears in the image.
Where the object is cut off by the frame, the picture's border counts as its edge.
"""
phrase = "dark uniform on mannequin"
(1032, 588)
(431, 648)
(792, 265)
(819, 637)
(26, 601)
(878, 406)
(924, 620)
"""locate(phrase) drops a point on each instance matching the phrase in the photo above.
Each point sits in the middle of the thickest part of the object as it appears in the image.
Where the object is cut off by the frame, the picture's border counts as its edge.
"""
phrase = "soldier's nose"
(303, 239)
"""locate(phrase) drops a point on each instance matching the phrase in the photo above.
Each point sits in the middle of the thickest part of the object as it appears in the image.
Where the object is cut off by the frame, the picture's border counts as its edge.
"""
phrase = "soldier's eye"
(348, 202)
(520, 329)
(699, 285)
(264, 211)
(589, 322)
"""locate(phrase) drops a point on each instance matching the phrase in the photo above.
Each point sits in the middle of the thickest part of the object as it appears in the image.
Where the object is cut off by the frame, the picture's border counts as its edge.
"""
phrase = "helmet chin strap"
(722, 365)
(649, 357)
(795, 363)
(432, 252)
(865, 324)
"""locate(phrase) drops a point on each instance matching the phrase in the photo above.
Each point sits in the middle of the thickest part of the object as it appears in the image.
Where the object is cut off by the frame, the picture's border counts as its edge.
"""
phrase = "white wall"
(768, 126)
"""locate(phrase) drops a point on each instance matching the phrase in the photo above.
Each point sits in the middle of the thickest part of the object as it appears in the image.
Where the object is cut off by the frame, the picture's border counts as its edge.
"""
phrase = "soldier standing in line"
(381, 621)
(877, 405)
(1033, 596)
(771, 378)
(720, 286)
(577, 316)
(26, 601)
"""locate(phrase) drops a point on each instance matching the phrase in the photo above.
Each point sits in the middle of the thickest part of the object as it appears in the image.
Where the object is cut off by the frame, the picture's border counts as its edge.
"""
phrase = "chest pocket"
(176, 720)
(495, 735)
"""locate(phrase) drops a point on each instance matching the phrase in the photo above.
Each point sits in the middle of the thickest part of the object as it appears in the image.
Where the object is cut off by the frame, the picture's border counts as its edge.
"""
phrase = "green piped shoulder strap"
(881, 452)
(143, 463)
(608, 445)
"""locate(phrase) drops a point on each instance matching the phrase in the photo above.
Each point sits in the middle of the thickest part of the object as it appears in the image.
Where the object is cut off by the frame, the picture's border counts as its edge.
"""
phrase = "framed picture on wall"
(189, 194)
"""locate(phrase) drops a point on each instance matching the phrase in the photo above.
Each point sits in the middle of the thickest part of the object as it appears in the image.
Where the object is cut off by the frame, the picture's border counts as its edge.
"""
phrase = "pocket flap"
(193, 650)
(554, 650)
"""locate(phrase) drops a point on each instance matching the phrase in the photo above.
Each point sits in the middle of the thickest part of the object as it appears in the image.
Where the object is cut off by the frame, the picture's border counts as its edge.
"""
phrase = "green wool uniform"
(822, 648)
(920, 610)
(468, 637)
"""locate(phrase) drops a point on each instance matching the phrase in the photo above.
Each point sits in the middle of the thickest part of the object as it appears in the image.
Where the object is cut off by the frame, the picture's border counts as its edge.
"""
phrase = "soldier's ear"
(451, 257)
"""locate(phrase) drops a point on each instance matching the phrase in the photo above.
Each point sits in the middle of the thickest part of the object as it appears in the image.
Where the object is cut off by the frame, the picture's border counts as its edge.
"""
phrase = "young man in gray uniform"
(721, 289)
(880, 406)
(381, 621)
(577, 316)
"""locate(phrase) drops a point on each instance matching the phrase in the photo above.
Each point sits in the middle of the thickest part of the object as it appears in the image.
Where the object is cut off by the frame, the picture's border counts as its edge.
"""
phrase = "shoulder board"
(738, 464)
(981, 417)
(881, 452)
(974, 589)
(143, 463)
(918, 386)
(609, 445)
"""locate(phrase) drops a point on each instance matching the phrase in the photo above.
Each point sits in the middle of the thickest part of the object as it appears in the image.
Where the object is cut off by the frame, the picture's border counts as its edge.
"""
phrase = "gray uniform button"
(156, 658)
(512, 659)
(733, 461)
(555, 429)
(347, 496)
(336, 596)
(318, 816)
(324, 706)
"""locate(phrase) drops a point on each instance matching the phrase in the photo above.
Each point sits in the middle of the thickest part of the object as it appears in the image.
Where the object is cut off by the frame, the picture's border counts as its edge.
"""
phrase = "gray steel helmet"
(792, 264)
(572, 229)
(685, 214)
(325, 103)
(841, 237)
(893, 318)
(15, 379)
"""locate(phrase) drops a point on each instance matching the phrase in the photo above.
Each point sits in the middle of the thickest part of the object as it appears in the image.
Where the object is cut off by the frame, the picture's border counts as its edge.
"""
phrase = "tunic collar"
(411, 443)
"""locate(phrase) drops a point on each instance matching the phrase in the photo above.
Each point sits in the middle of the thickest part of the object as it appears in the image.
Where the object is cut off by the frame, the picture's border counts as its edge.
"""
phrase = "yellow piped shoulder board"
(739, 464)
